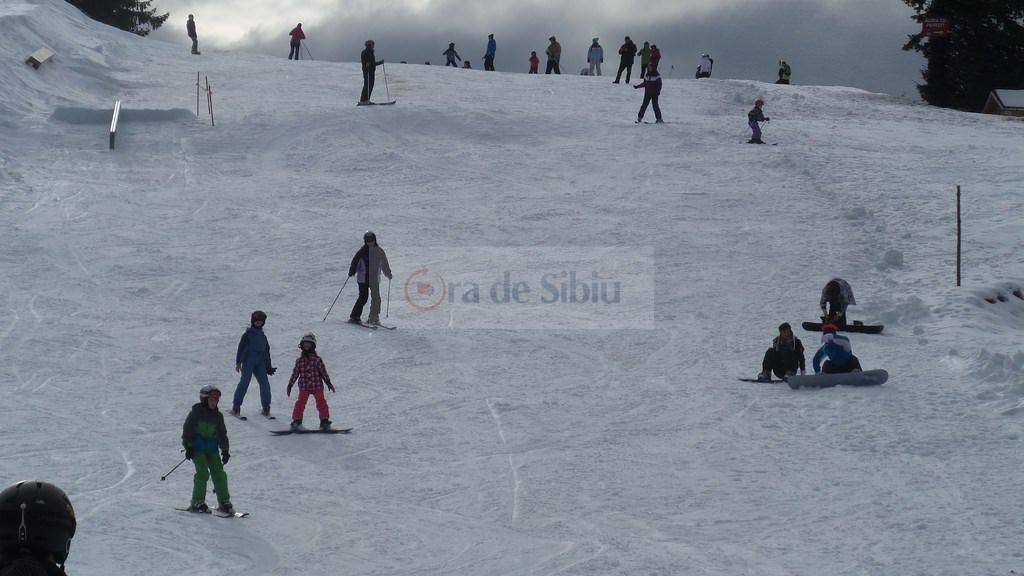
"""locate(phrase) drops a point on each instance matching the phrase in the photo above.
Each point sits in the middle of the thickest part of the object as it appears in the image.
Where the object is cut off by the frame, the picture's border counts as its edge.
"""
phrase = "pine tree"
(983, 51)
(135, 16)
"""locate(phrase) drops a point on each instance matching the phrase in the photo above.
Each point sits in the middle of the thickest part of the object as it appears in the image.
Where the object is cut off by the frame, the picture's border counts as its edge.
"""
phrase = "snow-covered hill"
(502, 437)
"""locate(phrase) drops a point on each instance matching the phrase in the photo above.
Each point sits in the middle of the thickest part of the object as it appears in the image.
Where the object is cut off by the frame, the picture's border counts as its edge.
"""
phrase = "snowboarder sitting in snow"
(785, 356)
(652, 88)
(753, 117)
(835, 297)
(311, 374)
(839, 352)
(450, 55)
(203, 433)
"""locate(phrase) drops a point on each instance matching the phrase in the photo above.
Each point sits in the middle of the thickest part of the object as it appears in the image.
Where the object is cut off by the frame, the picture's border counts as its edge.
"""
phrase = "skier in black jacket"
(370, 64)
(627, 53)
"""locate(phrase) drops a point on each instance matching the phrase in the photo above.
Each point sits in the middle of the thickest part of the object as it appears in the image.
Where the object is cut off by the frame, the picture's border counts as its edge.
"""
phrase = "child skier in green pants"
(203, 433)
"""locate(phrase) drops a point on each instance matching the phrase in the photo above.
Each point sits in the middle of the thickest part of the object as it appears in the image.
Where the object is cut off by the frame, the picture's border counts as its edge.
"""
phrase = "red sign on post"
(935, 27)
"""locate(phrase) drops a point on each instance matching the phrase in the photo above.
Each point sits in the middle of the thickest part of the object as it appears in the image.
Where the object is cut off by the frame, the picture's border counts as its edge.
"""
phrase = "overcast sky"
(827, 42)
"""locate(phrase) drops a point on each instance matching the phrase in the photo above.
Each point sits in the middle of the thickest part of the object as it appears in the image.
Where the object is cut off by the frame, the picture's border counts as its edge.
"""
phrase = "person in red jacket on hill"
(534, 62)
(311, 375)
(297, 37)
(655, 54)
(652, 88)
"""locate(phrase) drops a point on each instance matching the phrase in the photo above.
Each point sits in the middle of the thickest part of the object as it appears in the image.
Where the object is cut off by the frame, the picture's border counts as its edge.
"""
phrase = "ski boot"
(325, 424)
(199, 507)
(297, 425)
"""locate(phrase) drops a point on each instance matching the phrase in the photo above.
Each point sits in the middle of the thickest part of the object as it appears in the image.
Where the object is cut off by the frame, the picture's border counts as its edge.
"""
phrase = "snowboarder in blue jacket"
(253, 359)
(838, 351)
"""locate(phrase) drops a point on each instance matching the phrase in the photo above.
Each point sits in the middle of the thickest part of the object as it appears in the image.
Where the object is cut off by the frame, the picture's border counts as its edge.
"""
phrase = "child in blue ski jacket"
(253, 359)
(838, 351)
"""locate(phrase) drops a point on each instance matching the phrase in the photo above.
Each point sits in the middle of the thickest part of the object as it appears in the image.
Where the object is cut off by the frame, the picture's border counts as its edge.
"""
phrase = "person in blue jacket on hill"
(838, 351)
(253, 359)
(492, 48)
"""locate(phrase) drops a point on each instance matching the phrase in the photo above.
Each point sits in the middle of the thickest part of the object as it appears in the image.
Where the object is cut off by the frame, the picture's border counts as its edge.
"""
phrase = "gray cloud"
(839, 42)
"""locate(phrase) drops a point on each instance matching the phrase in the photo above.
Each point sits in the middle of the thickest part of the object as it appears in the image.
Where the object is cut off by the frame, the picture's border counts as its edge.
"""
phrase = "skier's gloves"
(288, 391)
(330, 387)
(767, 119)
(189, 453)
(224, 457)
(271, 371)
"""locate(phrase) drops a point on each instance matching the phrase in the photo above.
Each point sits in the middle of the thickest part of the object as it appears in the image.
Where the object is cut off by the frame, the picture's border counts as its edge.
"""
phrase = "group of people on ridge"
(204, 433)
(785, 356)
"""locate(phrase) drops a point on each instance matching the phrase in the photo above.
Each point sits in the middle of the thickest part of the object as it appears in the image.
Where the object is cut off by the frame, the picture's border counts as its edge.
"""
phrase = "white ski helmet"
(308, 337)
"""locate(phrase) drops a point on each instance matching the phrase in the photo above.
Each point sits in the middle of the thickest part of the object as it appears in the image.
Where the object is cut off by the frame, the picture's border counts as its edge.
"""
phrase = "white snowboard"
(866, 378)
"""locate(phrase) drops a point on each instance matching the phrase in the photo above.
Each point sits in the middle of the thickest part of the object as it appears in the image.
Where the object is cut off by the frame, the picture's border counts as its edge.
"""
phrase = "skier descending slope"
(202, 435)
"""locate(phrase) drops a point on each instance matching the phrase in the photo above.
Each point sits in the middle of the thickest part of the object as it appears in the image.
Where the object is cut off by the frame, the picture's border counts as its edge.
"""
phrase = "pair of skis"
(216, 513)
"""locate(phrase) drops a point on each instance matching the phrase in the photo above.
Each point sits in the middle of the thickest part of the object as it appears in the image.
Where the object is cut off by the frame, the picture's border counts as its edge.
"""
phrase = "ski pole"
(387, 309)
(386, 91)
(336, 299)
(307, 50)
(164, 477)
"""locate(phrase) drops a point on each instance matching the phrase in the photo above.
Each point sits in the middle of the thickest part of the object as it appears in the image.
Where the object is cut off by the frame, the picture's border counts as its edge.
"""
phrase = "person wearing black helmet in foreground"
(202, 435)
(37, 523)
(369, 262)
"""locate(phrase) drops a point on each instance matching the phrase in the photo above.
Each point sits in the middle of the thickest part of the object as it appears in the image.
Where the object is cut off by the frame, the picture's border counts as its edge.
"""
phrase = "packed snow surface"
(506, 427)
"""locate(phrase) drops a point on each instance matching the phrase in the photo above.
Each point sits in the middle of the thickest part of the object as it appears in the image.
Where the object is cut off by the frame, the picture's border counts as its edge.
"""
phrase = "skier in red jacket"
(297, 37)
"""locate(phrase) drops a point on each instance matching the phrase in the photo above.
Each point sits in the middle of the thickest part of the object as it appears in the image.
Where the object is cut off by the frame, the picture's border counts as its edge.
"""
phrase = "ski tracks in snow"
(516, 483)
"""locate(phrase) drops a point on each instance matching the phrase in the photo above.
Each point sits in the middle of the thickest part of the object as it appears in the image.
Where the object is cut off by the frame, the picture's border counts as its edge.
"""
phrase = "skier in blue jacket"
(253, 359)
(838, 351)
(492, 48)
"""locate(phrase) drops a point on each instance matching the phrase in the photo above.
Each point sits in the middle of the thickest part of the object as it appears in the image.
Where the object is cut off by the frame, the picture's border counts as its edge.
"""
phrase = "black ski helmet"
(208, 390)
(369, 235)
(308, 337)
(37, 517)
(257, 315)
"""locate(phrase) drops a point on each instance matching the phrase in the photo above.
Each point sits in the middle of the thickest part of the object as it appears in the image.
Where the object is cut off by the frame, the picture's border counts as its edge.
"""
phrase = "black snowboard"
(856, 326)
(311, 431)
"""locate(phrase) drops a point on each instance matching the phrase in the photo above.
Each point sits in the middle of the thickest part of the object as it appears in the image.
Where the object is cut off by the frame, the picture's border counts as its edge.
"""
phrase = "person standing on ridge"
(492, 48)
(190, 27)
(202, 435)
(705, 66)
(37, 523)
(253, 359)
(784, 72)
(595, 57)
(297, 37)
(368, 263)
(450, 56)
(534, 62)
(554, 53)
(627, 53)
(370, 63)
(645, 57)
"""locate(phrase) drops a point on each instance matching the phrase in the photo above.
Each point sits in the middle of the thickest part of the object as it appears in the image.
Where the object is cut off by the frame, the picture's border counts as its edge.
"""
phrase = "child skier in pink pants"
(311, 375)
